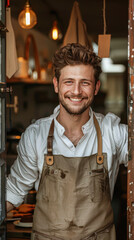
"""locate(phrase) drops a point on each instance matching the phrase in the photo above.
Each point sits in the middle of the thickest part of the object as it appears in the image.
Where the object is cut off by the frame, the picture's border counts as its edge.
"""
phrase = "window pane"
(0, 61)
(0, 9)
(2, 79)
(2, 190)
(2, 44)
(2, 124)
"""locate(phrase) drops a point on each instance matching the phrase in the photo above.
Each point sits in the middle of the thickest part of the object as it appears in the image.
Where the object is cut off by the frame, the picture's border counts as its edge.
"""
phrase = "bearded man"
(72, 157)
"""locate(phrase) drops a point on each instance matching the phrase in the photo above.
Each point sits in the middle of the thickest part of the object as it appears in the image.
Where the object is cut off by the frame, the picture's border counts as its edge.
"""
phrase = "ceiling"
(91, 10)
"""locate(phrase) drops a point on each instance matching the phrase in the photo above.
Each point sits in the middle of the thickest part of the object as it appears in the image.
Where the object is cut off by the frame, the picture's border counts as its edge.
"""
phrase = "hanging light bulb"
(55, 33)
(27, 18)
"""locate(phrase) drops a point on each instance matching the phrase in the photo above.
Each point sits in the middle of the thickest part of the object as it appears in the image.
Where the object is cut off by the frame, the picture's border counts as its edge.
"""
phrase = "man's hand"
(9, 206)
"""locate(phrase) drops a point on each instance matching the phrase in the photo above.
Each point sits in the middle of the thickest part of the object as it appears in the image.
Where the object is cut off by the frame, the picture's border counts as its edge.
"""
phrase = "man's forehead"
(68, 68)
(80, 71)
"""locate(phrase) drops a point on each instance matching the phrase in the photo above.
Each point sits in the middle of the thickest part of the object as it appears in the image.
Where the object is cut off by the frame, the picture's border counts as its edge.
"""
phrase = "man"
(72, 157)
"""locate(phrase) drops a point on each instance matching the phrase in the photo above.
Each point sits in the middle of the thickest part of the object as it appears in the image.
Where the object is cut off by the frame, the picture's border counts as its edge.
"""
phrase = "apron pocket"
(54, 188)
(97, 184)
(56, 198)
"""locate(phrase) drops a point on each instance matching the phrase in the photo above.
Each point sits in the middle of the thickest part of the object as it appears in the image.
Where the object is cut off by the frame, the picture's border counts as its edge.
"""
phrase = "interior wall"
(46, 47)
(31, 107)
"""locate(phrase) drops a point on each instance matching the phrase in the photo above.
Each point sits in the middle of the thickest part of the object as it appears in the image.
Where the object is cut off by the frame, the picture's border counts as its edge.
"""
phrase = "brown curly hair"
(73, 54)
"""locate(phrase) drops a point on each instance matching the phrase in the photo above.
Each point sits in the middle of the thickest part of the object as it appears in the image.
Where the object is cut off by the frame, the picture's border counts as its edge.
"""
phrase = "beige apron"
(73, 200)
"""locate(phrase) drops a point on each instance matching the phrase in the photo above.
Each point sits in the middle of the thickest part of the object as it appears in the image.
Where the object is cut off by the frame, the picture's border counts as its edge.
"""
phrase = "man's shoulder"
(108, 118)
(43, 121)
(39, 126)
(110, 122)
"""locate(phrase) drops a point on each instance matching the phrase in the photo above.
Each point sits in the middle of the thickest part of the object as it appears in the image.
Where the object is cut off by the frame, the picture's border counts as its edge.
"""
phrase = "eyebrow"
(83, 79)
(67, 79)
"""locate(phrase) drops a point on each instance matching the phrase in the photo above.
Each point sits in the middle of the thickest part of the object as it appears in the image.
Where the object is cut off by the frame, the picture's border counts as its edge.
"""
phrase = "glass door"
(2, 117)
(130, 175)
(2, 76)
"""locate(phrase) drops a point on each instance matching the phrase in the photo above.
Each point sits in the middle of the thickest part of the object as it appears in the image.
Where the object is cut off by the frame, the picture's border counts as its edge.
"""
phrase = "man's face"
(76, 88)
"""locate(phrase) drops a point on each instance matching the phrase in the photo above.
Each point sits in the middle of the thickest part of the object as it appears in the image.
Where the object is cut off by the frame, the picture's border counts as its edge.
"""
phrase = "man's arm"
(9, 206)
(24, 171)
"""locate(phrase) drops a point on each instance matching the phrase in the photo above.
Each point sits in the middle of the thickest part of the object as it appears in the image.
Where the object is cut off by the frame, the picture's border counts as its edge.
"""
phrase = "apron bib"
(73, 200)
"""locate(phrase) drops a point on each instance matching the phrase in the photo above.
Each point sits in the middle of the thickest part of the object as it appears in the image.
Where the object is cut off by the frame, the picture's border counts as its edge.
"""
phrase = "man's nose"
(76, 89)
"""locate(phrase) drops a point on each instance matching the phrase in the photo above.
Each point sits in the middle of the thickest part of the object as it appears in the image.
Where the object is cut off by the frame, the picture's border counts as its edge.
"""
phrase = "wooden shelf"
(27, 81)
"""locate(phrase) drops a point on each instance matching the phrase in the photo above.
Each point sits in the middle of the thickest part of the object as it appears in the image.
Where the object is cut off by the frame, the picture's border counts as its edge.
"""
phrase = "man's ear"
(97, 87)
(55, 83)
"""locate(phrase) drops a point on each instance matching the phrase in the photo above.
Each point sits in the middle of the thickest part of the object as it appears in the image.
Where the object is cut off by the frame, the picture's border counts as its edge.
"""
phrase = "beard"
(72, 110)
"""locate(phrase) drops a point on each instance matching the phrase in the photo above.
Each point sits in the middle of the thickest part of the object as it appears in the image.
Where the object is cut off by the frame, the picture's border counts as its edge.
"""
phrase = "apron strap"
(100, 157)
(49, 156)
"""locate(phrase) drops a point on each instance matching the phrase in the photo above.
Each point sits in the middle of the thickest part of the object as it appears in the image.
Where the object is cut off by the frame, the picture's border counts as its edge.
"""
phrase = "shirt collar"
(85, 128)
(56, 111)
(59, 127)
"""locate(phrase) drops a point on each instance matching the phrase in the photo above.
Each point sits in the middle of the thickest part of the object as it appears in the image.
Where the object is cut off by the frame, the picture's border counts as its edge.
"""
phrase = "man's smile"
(75, 99)
(76, 88)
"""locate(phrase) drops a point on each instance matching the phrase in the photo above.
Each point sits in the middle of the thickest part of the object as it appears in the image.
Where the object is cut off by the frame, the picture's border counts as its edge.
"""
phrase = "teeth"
(75, 99)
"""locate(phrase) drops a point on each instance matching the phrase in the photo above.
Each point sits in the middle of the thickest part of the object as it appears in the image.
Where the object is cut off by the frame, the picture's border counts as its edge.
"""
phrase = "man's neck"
(72, 123)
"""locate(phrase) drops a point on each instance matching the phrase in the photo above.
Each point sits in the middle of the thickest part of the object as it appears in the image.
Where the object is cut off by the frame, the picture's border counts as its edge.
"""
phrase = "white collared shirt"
(26, 170)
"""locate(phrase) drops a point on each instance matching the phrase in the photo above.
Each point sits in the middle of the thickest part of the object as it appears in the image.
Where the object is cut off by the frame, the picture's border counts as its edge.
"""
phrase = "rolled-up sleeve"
(24, 171)
(120, 136)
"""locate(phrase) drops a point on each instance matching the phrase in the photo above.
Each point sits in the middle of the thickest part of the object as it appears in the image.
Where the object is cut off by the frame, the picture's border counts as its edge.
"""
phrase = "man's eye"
(85, 83)
(68, 82)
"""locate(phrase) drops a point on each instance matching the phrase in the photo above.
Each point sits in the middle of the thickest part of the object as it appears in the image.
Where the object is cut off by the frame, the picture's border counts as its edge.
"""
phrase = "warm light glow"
(54, 33)
(27, 18)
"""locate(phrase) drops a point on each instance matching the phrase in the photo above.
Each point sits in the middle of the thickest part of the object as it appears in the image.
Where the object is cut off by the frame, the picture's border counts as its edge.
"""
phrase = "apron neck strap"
(49, 156)
(100, 157)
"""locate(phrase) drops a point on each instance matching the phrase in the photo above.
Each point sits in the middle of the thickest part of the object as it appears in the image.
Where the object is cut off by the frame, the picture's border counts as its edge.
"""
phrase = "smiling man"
(79, 81)
(72, 157)
(76, 88)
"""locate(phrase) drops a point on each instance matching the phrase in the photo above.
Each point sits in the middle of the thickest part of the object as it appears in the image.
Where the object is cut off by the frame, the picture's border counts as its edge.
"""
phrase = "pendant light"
(27, 18)
(55, 32)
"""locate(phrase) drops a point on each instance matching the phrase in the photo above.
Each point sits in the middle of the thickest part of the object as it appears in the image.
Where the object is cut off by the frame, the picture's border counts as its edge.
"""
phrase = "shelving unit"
(28, 81)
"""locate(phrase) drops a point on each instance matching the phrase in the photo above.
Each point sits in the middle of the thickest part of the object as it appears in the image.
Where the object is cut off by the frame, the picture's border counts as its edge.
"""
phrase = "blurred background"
(32, 83)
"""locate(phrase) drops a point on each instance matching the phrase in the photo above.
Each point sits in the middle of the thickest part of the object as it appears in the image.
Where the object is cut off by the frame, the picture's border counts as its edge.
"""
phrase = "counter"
(17, 233)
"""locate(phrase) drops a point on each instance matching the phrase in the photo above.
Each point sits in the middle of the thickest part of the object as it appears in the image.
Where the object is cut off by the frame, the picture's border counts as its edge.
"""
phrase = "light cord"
(104, 15)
